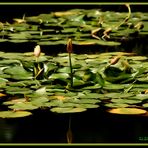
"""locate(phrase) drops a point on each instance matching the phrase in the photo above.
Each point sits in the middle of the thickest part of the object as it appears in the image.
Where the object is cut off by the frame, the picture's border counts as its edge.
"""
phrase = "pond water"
(92, 127)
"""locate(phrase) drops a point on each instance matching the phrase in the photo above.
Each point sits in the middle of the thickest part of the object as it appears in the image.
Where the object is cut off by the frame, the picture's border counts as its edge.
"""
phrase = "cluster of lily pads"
(70, 83)
(85, 27)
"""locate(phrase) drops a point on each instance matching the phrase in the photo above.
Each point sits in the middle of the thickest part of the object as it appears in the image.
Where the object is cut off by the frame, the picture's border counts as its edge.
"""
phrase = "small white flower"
(37, 51)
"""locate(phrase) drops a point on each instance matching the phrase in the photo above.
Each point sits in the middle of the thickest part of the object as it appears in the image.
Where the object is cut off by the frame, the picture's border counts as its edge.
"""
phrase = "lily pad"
(145, 105)
(127, 111)
(67, 110)
(23, 106)
(118, 95)
(14, 101)
(18, 90)
(114, 86)
(14, 114)
(88, 105)
(21, 73)
(116, 105)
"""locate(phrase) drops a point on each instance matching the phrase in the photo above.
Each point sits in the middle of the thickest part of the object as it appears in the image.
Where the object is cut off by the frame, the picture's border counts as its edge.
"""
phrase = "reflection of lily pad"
(14, 114)
(127, 111)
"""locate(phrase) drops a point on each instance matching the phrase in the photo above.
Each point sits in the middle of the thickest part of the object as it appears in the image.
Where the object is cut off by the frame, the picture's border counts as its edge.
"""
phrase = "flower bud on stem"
(69, 50)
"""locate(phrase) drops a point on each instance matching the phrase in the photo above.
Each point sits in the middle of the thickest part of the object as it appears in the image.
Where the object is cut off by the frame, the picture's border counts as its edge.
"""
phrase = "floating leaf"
(114, 86)
(118, 95)
(14, 114)
(14, 101)
(23, 106)
(87, 101)
(41, 91)
(137, 58)
(67, 110)
(145, 105)
(127, 111)
(39, 102)
(141, 96)
(116, 105)
(88, 105)
(18, 90)
(21, 73)
(96, 86)
(126, 101)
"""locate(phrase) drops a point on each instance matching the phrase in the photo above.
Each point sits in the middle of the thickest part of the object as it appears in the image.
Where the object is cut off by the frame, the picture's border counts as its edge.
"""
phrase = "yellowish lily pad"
(14, 114)
(127, 111)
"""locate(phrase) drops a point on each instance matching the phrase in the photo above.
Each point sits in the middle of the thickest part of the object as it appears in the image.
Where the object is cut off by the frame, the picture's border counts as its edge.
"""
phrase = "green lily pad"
(137, 58)
(141, 96)
(88, 105)
(54, 103)
(145, 105)
(23, 106)
(67, 110)
(21, 35)
(21, 73)
(116, 105)
(14, 101)
(60, 76)
(96, 86)
(89, 96)
(99, 42)
(144, 80)
(14, 114)
(3, 40)
(126, 101)
(114, 86)
(39, 101)
(87, 101)
(10, 62)
(118, 95)
(18, 90)
(64, 70)
(11, 55)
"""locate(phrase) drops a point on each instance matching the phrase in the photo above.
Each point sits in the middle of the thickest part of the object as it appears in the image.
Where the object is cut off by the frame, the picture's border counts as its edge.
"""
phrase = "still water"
(93, 126)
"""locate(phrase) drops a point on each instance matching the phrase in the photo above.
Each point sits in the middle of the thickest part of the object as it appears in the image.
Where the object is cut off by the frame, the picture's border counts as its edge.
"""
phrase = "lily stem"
(71, 70)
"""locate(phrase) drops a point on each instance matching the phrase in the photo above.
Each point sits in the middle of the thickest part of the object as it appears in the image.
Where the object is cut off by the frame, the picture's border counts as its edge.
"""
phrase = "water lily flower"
(37, 51)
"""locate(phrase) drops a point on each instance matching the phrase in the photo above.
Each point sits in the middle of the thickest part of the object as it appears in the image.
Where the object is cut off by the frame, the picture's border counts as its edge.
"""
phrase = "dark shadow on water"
(92, 126)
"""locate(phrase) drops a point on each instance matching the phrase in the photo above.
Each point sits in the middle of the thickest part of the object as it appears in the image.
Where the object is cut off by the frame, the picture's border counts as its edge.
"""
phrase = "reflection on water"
(7, 131)
(87, 127)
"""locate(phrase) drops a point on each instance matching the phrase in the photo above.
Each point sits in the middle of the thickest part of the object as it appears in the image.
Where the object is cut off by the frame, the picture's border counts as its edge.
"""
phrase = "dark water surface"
(92, 126)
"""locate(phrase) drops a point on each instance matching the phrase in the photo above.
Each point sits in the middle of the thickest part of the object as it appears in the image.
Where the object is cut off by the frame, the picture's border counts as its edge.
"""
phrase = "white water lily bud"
(37, 51)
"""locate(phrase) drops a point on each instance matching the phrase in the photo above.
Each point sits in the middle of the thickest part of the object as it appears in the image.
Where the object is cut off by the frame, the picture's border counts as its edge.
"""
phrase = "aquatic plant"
(70, 82)
(110, 80)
